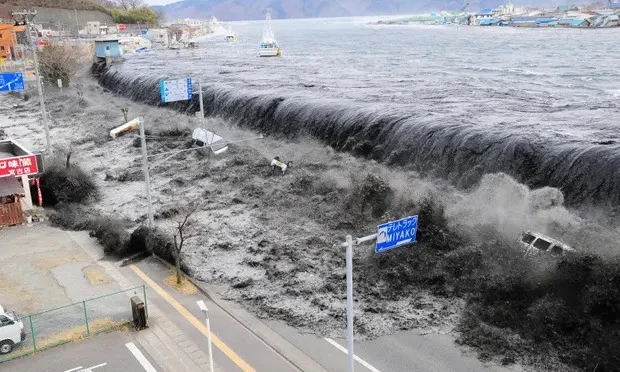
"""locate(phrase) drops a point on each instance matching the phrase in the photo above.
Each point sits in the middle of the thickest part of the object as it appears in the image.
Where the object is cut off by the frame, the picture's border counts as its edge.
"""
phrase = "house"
(546, 22)
(574, 22)
(108, 50)
(17, 164)
(562, 8)
(92, 28)
(8, 40)
(491, 22)
(484, 13)
(524, 21)
(506, 9)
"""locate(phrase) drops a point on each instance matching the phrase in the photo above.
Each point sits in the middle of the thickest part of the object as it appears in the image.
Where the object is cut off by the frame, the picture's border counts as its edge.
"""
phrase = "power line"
(27, 16)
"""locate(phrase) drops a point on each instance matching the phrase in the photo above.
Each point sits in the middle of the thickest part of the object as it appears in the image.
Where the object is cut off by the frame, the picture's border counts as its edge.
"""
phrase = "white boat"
(268, 46)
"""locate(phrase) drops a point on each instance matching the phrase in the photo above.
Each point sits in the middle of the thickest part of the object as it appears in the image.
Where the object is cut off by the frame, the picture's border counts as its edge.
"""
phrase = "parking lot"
(105, 353)
(46, 277)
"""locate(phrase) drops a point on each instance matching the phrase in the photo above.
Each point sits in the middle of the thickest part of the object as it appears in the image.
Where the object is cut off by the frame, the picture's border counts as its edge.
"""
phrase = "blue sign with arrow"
(396, 233)
(11, 81)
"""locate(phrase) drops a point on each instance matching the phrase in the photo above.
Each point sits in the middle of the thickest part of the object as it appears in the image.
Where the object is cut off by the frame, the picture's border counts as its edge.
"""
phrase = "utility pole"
(77, 23)
(27, 16)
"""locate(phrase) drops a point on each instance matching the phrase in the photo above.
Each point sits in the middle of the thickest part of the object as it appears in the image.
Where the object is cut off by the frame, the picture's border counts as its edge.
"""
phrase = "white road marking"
(148, 367)
(344, 350)
(89, 369)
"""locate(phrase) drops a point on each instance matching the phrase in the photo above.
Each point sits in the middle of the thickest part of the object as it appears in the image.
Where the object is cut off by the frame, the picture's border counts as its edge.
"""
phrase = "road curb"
(272, 339)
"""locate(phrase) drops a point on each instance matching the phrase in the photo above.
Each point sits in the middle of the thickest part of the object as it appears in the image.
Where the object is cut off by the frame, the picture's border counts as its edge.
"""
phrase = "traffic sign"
(175, 90)
(396, 233)
(121, 27)
(10, 81)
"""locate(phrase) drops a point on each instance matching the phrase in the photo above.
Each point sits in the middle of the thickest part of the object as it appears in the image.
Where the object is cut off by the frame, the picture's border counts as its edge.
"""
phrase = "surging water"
(539, 104)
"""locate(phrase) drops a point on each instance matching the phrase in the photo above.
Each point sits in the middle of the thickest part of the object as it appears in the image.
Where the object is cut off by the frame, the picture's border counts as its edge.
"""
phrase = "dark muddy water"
(454, 102)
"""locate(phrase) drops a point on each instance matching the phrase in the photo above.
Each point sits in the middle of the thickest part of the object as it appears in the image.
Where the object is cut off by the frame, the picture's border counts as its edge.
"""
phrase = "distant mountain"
(234, 10)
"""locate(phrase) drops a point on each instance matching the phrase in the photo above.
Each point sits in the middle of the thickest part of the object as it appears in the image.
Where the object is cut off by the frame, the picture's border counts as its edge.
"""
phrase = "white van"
(11, 331)
(536, 243)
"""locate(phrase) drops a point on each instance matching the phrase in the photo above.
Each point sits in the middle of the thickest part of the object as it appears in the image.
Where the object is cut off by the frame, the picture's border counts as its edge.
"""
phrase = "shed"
(107, 48)
(11, 212)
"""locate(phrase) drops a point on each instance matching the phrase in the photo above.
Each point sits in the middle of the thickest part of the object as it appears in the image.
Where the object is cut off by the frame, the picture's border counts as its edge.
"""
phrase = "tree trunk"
(68, 163)
(178, 265)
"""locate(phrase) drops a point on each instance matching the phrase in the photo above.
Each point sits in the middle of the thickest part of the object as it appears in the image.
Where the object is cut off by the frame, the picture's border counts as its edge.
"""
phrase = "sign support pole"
(147, 178)
(202, 108)
(349, 260)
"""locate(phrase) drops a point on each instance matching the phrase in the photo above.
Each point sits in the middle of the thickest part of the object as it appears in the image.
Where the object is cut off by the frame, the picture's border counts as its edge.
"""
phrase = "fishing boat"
(268, 46)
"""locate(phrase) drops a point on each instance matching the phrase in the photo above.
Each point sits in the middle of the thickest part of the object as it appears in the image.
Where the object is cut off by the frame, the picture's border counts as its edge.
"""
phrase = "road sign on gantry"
(175, 90)
(10, 81)
(396, 233)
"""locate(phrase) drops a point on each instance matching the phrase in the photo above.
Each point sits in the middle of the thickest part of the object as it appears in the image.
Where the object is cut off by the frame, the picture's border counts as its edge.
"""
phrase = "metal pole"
(202, 108)
(146, 306)
(39, 86)
(86, 318)
(34, 339)
(77, 23)
(147, 178)
(350, 301)
(209, 340)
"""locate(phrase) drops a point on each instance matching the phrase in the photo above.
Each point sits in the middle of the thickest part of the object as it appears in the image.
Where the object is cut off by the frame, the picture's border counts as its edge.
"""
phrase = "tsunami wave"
(587, 175)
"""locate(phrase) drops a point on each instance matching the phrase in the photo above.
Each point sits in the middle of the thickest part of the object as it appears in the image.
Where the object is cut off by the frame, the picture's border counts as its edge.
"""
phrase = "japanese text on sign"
(396, 233)
(19, 166)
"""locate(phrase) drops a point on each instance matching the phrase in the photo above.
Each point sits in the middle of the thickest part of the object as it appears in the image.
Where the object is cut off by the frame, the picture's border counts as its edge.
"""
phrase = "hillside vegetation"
(121, 11)
(61, 4)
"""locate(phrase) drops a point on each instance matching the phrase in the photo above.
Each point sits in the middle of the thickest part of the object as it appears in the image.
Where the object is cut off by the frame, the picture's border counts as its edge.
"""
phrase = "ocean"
(456, 102)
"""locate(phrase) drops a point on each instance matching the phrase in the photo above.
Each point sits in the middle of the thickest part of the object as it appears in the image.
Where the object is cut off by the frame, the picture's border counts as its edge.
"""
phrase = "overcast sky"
(160, 2)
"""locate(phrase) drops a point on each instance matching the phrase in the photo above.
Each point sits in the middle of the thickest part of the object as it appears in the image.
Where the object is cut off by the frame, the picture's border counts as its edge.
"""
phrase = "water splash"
(585, 174)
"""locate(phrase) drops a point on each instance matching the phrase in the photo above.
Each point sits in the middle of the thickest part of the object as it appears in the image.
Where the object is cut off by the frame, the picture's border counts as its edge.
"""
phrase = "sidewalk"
(176, 339)
(163, 341)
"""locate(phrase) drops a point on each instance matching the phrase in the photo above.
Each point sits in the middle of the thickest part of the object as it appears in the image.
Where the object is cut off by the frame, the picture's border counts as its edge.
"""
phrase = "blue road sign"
(396, 233)
(175, 90)
(10, 81)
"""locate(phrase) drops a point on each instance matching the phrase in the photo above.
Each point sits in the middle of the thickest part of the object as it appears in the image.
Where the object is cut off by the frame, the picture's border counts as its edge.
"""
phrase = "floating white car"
(536, 243)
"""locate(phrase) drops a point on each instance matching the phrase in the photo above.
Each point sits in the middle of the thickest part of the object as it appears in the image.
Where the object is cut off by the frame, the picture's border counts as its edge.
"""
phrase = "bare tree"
(130, 4)
(184, 229)
(175, 33)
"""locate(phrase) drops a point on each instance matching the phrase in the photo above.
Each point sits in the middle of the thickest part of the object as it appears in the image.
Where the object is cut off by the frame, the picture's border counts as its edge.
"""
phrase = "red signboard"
(121, 27)
(19, 166)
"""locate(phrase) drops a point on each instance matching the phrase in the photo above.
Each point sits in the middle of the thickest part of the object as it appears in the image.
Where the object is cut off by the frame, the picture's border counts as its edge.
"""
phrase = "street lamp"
(214, 142)
(205, 310)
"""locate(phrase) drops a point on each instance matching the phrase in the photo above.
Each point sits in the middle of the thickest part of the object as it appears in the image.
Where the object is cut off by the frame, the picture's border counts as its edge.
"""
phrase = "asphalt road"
(401, 352)
(249, 348)
(102, 353)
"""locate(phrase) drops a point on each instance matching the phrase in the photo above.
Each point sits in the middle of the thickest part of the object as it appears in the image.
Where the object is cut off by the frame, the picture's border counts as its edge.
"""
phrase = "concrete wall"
(50, 17)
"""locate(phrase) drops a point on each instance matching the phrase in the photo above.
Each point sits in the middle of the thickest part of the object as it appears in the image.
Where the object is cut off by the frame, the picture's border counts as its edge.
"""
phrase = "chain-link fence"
(75, 321)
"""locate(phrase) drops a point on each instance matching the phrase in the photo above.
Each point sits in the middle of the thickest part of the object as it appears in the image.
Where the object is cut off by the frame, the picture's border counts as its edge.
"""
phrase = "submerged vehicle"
(536, 243)
(11, 330)
(231, 36)
(268, 46)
